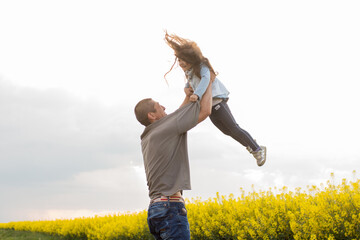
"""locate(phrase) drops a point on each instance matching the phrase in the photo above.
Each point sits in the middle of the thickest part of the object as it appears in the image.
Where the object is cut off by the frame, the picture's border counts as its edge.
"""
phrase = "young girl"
(198, 70)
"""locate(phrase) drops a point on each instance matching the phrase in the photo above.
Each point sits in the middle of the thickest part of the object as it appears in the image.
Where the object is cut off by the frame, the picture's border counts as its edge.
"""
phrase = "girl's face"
(184, 65)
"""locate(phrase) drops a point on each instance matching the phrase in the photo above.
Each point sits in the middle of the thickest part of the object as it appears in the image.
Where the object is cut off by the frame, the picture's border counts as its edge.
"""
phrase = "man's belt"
(167, 199)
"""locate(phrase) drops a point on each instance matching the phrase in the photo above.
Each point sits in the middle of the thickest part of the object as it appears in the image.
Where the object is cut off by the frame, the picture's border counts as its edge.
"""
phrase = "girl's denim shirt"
(200, 85)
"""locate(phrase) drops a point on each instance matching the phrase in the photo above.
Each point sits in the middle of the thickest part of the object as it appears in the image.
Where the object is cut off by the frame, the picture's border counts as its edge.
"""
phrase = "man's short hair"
(142, 109)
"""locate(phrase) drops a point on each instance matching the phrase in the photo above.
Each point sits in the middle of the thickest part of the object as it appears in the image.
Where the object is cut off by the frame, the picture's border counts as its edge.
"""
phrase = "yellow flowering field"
(320, 212)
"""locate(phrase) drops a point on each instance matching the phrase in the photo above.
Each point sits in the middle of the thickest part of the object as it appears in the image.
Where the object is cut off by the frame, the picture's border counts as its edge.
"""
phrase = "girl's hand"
(194, 98)
(188, 91)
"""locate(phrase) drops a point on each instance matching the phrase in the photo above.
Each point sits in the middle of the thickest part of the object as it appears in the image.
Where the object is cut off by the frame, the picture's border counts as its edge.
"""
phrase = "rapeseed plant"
(329, 212)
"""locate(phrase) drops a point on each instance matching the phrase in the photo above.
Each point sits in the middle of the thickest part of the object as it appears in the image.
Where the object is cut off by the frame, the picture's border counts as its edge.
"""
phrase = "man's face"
(159, 111)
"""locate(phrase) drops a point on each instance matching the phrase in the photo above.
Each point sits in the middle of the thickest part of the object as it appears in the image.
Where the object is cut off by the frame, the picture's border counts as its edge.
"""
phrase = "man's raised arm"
(206, 101)
(188, 92)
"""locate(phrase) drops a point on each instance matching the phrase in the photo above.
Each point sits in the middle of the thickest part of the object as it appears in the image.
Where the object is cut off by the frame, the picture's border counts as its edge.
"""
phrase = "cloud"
(254, 176)
(51, 214)
(54, 134)
(50, 137)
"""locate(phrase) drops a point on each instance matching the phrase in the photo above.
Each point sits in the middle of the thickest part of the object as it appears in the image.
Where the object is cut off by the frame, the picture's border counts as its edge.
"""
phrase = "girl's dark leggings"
(222, 118)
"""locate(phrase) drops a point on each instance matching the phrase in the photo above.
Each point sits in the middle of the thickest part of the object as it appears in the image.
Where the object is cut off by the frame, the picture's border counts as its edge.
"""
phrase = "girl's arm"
(204, 82)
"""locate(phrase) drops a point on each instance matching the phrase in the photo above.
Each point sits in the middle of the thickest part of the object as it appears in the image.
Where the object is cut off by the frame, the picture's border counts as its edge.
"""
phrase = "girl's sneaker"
(259, 155)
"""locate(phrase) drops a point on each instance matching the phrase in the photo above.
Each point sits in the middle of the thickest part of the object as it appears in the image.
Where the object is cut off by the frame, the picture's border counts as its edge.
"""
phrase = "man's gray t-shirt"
(164, 148)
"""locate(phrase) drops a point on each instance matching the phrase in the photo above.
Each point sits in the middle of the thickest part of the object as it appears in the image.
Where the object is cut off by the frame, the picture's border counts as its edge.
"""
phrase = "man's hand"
(212, 76)
(194, 98)
(188, 91)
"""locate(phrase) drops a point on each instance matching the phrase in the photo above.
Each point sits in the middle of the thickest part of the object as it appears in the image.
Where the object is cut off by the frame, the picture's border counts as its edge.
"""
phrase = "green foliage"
(8, 234)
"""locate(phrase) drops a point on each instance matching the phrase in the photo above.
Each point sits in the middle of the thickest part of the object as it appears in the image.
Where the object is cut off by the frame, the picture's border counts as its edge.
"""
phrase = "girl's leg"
(222, 118)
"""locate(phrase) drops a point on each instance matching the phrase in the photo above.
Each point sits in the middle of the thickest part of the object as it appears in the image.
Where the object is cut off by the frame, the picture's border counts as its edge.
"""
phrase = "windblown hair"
(142, 109)
(187, 51)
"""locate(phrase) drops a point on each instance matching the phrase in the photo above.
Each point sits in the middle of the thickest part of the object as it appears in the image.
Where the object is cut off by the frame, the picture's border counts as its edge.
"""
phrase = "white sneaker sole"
(262, 162)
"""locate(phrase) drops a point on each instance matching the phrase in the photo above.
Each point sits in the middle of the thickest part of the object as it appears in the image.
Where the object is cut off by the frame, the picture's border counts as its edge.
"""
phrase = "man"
(164, 149)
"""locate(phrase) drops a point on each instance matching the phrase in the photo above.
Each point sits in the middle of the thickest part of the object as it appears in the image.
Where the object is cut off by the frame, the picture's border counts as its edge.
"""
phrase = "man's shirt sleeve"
(188, 117)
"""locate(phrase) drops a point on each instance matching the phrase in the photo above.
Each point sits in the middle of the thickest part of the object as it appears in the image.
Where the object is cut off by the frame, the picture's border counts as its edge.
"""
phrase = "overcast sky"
(71, 73)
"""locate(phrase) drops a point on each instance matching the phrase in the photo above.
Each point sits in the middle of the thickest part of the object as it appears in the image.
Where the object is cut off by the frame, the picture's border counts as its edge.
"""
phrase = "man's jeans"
(168, 220)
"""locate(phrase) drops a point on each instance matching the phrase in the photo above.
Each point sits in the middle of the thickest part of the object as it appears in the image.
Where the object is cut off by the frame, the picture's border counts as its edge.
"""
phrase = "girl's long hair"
(188, 51)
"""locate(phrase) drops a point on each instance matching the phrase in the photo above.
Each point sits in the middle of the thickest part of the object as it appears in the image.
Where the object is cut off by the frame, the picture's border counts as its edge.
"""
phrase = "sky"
(71, 73)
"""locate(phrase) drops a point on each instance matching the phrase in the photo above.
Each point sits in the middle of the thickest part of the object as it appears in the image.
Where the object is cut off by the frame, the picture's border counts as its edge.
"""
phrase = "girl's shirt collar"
(188, 73)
